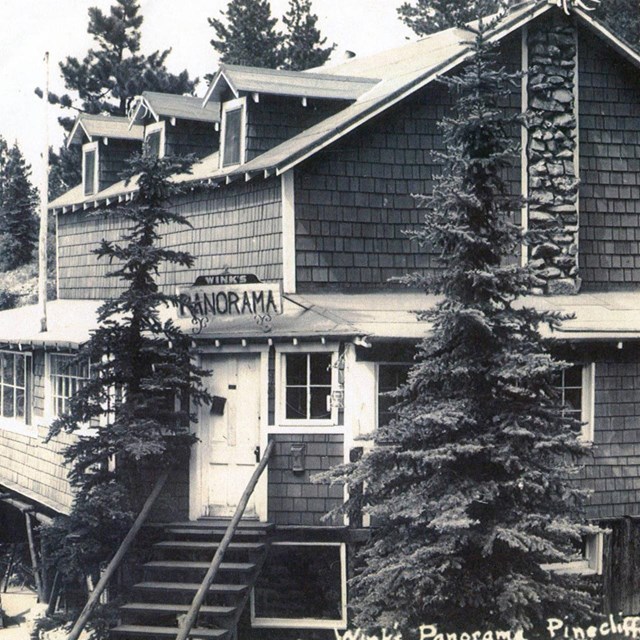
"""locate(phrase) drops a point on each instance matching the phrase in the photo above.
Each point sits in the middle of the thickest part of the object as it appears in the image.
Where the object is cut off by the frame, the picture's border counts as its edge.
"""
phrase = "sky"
(29, 28)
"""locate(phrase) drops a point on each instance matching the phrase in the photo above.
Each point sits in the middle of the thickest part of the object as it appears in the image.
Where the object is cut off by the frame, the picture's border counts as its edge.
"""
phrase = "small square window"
(307, 386)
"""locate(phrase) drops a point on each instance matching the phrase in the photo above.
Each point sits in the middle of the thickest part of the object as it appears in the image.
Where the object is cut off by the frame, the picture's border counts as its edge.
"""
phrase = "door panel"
(230, 440)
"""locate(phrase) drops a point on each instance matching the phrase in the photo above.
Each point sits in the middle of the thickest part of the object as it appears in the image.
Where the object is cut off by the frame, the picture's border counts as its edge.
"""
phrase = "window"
(390, 377)
(307, 387)
(233, 124)
(66, 377)
(301, 585)
(154, 139)
(590, 562)
(576, 387)
(15, 387)
(90, 168)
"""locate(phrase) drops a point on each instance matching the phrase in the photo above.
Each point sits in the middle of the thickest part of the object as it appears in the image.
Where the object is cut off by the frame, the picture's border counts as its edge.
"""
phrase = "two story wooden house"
(298, 205)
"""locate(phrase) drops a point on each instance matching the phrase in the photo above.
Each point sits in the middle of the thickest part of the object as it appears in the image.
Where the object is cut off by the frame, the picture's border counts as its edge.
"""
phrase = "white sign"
(254, 299)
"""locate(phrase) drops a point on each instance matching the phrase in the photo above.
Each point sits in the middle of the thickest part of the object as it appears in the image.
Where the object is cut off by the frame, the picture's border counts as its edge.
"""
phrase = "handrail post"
(189, 620)
(117, 558)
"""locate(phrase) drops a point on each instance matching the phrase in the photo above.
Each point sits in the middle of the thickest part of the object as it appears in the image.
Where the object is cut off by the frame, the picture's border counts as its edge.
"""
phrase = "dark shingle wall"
(609, 122)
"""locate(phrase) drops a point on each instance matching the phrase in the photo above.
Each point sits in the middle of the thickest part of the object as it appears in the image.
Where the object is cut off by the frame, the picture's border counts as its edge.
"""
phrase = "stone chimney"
(552, 152)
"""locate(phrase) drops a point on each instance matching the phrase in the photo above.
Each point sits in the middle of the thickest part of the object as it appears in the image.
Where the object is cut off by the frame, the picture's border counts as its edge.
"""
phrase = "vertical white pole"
(44, 207)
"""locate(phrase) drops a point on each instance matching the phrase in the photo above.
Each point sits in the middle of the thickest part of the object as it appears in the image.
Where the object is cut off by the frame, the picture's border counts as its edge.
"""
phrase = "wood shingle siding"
(613, 470)
(293, 498)
(185, 137)
(609, 122)
(275, 119)
(354, 200)
(113, 160)
(237, 227)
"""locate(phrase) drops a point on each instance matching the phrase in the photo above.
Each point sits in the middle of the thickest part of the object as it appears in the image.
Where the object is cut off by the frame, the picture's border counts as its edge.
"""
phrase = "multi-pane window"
(67, 375)
(576, 386)
(90, 168)
(232, 133)
(15, 396)
(307, 386)
(390, 377)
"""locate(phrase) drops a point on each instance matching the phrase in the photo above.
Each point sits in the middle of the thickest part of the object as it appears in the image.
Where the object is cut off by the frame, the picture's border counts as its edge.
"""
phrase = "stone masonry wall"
(552, 139)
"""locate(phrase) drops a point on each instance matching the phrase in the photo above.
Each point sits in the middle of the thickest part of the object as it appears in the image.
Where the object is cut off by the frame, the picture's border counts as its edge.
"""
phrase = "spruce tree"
(246, 35)
(143, 387)
(430, 16)
(18, 202)
(470, 484)
(303, 44)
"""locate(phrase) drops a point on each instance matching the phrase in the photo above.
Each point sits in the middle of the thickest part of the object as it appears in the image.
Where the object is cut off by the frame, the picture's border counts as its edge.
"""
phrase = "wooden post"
(190, 618)
(44, 208)
(94, 598)
(34, 557)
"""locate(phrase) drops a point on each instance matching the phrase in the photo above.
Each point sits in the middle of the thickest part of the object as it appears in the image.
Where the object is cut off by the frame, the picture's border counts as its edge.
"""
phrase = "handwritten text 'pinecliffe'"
(628, 626)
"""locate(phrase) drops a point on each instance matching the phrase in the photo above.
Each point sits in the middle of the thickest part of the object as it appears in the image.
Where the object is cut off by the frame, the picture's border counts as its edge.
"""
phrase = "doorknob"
(256, 453)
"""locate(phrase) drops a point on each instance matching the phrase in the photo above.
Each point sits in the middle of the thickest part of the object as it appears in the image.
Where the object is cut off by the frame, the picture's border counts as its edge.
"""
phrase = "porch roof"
(379, 316)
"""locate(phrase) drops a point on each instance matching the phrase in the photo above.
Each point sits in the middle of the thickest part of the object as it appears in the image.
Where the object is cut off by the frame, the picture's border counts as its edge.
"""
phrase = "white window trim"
(152, 128)
(588, 401)
(308, 623)
(591, 564)
(233, 105)
(91, 146)
(48, 415)
(329, 425)
(18, 426)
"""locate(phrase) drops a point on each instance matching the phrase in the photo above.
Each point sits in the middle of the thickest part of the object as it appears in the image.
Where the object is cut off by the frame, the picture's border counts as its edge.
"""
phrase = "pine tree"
(470, 484)
(65, 170)
(623, 18)
(115, 71)
(429, 16)
(247, 35)
(143, 384)
(18, 201)
(303, 45)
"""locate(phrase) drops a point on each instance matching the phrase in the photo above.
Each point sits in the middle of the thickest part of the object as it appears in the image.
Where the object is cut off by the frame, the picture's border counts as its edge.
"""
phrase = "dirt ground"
(18, 606)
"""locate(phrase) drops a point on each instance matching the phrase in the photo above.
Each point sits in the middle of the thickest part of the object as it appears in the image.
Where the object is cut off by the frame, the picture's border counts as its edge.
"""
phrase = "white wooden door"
(233, 437)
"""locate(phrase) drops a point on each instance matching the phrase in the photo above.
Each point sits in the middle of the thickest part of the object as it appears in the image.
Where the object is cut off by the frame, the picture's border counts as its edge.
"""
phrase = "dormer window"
(154, 139)
(233, 132)
(90, 168)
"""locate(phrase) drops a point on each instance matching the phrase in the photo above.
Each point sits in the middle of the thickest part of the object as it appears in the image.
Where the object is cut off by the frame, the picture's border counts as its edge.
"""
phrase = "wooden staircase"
(174, 575)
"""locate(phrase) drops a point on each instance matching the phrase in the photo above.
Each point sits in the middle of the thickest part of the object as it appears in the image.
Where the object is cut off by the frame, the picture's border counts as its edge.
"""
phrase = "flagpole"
(44, 208)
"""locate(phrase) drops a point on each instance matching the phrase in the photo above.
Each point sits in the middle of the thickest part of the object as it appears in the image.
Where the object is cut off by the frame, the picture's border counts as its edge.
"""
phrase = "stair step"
(187, 564)
(214, 532)
(190, 587)
(165, 632)
(152, 607)
(208, 546)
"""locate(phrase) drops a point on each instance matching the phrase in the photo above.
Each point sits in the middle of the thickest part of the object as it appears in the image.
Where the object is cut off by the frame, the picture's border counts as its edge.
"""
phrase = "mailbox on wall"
(298, 455)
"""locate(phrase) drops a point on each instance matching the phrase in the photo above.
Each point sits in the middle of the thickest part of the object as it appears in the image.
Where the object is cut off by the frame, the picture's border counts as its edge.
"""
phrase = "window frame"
(49, 411)
(591, 563)
(154, 127)
(28, 426)
(587, 399)
(234, 105)
(281, 386)
(385, 363)
(87, 148)
(308, 623)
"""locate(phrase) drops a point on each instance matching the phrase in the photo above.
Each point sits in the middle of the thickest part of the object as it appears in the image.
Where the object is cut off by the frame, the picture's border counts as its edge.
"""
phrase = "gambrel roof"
(381, 80)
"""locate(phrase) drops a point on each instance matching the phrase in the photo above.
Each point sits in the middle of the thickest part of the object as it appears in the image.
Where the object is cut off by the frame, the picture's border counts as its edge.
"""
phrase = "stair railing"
(117, 558)
(190, 618)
